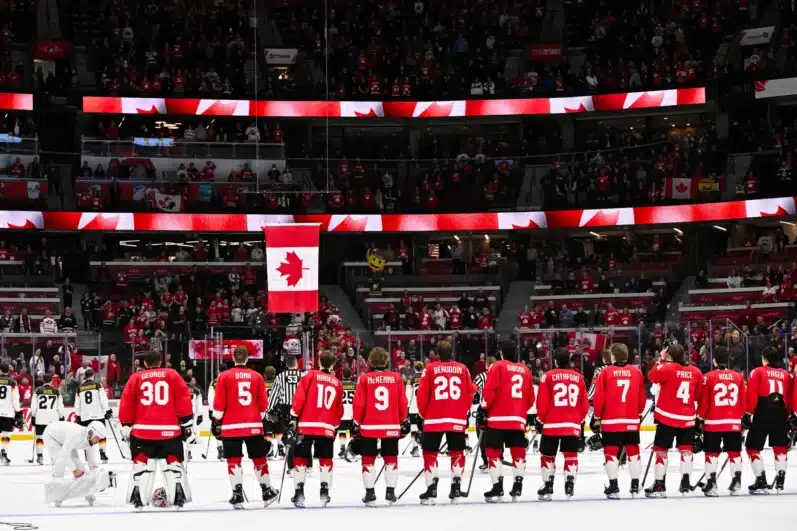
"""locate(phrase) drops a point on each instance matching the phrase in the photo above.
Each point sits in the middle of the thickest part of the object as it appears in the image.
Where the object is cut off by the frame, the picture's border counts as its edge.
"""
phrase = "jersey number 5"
(245, 393)
(157, 393)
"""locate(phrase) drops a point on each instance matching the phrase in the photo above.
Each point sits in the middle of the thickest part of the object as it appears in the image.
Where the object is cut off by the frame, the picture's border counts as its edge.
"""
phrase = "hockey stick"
(282, 481)
(119, 446)
(207, 448)
(444, 445)
(33, 452)
(473, 467)
(647, 469)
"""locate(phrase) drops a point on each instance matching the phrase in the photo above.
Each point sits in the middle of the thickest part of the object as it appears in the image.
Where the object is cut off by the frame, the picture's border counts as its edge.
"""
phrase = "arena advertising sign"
(396, 109)
(481, 221)
(545, 52)
(199, 349)
(16, 102)
(776, 88)
(281, 56)
(757, 36)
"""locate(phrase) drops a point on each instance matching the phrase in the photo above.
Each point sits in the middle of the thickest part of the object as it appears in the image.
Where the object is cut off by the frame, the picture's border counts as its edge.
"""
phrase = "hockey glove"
(355, 432)
(531, 418)
(405, 428)
(189, 434)
(481, 419)
(215, 427)
(595, 425)
(18, 423)
(126, 429)
(793, 421)
(538, 425)
(289, 437)
(699, 425)
(199, 420)
(747, 421)
(108, 414)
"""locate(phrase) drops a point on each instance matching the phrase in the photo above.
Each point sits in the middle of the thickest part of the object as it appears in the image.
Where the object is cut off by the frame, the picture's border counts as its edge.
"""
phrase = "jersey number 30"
(157, 393)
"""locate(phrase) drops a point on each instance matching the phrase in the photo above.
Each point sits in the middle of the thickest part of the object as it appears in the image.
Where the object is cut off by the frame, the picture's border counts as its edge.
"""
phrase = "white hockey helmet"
(96, 429)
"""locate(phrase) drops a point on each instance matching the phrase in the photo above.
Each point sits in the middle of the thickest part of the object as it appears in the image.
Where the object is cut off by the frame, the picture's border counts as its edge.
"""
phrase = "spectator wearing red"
(426, 319)
(748, 316)
(130, 332)
(17, 169)
(786, 289)
(486, 320)
(612, 315)
(524, 317)
(626, 318)
(113, 372)
(455, 317)
(200, 251)
(585, 284)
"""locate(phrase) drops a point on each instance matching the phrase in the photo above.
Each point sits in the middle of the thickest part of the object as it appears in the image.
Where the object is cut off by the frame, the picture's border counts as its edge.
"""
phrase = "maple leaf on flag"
(291, 268)
(779, 212)
(681, 187)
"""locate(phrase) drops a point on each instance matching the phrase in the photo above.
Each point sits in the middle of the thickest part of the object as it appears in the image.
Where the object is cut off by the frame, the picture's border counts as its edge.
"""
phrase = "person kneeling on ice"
(64, 442)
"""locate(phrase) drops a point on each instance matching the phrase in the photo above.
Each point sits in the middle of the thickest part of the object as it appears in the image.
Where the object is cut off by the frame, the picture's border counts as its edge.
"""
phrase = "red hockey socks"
(571, 463)
(429, 466)
(495, 467)
(611, 465)
(518, 461)
(391, 470)
(457, 463)
(781, 458)
(325, 465)
(660, 468)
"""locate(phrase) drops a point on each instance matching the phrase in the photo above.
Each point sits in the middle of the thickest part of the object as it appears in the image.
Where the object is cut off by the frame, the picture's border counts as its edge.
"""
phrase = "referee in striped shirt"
(479, 382)
(281, 398)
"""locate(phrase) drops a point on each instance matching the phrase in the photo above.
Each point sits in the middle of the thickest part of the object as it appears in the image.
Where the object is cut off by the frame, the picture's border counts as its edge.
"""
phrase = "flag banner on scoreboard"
(199, 349)
(292, 267)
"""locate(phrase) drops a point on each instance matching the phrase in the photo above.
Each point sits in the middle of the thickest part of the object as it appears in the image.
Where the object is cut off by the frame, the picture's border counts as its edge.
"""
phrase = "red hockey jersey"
(155, 402)
(240, 402)
(508, 395)
(721, 403)
(763, 382)
(318, 404)
(562, 403)
(380, 404)
(619, 398)
(444, 396)
(678, 393)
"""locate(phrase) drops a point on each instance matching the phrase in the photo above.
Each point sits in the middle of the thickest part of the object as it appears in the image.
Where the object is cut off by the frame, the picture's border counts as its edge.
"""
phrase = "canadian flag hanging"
(591, 342)
(680, 188)
(292, 267)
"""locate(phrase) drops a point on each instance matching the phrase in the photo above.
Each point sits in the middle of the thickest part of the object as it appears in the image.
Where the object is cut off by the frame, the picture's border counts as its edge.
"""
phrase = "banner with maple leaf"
(680, 188)
(292, 267)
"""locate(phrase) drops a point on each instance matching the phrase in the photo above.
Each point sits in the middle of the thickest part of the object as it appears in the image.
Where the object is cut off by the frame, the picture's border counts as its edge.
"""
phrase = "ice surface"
(22, 502)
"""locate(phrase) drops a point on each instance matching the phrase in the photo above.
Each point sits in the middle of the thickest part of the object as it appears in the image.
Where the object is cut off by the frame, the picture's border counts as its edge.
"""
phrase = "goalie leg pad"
(143, 477)
(173, 474)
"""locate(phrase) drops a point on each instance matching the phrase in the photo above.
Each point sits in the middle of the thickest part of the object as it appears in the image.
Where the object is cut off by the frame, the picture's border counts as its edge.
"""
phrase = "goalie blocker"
(156, 416)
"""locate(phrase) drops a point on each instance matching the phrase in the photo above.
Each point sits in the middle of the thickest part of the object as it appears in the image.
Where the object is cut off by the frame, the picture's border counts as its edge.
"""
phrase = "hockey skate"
(760, 486)
(780, 480)
(517, 488)
(104, 457)
(496, 494)
(736, 484)
(4, 460)
(483, 468)
(325, 499)
(135, 499)
(298, 496)
(546, 491)
(179, 496)
(370, 498)
(220, 453)
(612, 491)
(710, 488)
(430, 496)
(237, 499)
(657, 490)
(634, 487)
(456, 491)
(390, 496)
(570, 486)
(40, 459)
(686, 486)
(415, 452)
(269, 495)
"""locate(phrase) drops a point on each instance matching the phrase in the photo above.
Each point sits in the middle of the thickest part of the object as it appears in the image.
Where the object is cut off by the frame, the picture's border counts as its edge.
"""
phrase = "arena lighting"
(679, 231)
(595, 234)
(723, 229)
(787, 223)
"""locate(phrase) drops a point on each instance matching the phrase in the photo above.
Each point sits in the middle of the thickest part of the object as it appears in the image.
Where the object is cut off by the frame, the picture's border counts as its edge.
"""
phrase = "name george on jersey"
(157, 374)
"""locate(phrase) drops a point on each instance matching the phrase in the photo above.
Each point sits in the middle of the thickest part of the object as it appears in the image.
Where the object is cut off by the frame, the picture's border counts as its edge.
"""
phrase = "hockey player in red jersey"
(618, 406)
(315, 415)
(239, 406)
(445, 395)
(719, 418)
(675, 414)
(156, 416)
(766, 417)
(507, 396)
(562, 405)
(380, 414)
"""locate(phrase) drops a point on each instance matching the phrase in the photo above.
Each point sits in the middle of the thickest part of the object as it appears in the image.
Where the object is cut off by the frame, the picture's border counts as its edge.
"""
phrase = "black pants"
(774, 428)
(665, 435)
(495, 438)
(314, 445)
(255, 446)
(551, 444)
(727, 441)
(432, 440)
(482, 445)
(157, 449)
(370, 447)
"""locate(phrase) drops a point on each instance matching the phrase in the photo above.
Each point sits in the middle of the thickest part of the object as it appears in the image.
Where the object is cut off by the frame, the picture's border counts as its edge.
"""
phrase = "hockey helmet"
(159, 498)
(595, 442)
(96, 429)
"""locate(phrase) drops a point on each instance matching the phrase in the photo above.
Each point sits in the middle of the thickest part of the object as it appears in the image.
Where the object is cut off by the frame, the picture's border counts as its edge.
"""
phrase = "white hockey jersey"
(349, 387)
(9, 397)
(48, 325)
(412, 393)
(211, 395)
(196, 402)
(71, 438)
(46, 406)
(91, 402)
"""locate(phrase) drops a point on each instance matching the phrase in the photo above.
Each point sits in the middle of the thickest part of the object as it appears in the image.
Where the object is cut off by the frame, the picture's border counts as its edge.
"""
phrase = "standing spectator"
(66, 292)
(67, 322)
(37, 366)
(22, 322)
(81, 372)
(113, 371)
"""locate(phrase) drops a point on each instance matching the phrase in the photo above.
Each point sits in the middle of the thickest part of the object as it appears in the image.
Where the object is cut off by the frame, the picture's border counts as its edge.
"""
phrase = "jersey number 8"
(3, 392)
(157, 393)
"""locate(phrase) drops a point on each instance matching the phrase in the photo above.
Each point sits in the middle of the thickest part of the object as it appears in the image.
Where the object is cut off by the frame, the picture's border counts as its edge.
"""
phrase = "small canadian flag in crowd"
(292, 267)
(680, 188)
